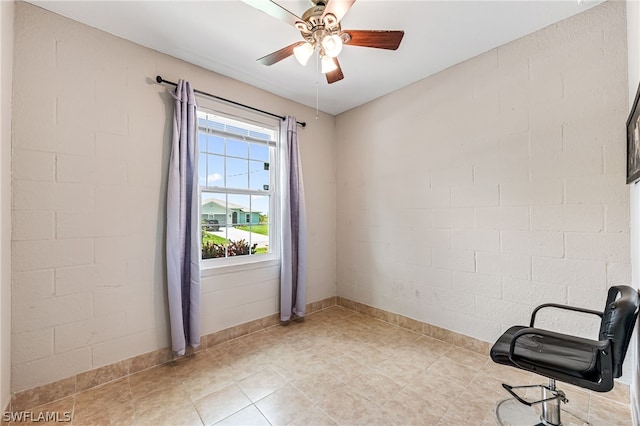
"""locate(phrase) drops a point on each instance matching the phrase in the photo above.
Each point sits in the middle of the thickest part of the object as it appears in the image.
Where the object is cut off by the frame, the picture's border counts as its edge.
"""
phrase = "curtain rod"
(159, 80)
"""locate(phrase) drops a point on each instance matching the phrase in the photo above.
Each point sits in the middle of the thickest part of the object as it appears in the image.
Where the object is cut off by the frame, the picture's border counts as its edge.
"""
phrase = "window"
(237, 187)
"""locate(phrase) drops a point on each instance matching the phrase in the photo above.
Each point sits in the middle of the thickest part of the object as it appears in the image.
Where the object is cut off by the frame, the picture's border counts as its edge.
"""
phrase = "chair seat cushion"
(545, 355)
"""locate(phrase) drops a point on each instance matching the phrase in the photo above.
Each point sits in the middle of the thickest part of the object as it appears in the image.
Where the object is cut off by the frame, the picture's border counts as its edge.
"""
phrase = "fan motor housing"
(313, 16)
(315, 26)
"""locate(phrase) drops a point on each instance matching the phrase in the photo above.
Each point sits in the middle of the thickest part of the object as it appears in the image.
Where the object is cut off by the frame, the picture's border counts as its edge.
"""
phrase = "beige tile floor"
(337, 367)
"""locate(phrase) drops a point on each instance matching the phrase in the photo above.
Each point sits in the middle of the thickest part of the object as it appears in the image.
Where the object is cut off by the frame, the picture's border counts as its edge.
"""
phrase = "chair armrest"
(565, 307)
(600, 345)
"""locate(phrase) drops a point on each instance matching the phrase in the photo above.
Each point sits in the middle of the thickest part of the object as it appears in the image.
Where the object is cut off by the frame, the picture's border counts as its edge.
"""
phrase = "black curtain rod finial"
(160, 80)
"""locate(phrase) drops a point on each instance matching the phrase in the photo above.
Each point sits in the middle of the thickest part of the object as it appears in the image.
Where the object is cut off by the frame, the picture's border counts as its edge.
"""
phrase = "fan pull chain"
(317, 85)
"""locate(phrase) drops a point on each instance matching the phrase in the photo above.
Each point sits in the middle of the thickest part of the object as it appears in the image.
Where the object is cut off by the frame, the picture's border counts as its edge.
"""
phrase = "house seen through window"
(237, 186)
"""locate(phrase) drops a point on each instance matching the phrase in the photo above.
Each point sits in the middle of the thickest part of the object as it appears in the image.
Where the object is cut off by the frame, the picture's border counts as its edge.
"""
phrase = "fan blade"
(279, 55)
(338, 8)
(274, 9)
(335, 75)
(379, 39)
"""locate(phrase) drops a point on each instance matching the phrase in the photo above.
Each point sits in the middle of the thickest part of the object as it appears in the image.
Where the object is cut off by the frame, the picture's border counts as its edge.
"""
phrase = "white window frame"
(248, 261)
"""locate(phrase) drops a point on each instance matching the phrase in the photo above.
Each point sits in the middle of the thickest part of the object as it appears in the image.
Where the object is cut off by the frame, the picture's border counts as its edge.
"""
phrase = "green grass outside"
(258, 229)
(213, 238)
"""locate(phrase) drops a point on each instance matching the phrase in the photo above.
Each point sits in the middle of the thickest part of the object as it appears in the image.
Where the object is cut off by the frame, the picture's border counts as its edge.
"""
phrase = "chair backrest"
(619, 318)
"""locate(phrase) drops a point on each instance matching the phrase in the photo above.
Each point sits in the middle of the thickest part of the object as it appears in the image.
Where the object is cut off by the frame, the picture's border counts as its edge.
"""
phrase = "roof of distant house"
(221, 203)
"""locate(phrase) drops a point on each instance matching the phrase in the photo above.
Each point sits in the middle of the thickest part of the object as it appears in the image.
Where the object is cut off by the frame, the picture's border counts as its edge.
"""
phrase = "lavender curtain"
(183, 230)
(293, 264)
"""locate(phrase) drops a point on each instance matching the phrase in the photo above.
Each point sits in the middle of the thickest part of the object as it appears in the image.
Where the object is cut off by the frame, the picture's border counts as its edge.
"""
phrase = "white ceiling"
(228, 36)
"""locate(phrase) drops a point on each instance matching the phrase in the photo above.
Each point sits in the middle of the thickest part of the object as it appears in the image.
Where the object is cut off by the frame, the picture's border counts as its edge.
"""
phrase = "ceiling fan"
(321, 30)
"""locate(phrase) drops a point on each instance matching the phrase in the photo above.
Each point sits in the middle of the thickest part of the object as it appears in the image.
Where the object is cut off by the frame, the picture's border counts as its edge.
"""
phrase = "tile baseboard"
(63, 388)
(448, 336)
(47, 393)
(620, 393)
(260, 324)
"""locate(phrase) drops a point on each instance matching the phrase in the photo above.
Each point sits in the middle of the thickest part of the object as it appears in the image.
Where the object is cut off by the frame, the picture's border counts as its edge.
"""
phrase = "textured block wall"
(469, 197)
(90, 154)
(6, 79)
(633, 47)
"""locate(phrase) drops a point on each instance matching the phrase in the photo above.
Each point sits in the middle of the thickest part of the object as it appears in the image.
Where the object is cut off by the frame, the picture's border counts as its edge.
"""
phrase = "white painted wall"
(633, 46)
(469, 197)
(6, 68)
(91, 145)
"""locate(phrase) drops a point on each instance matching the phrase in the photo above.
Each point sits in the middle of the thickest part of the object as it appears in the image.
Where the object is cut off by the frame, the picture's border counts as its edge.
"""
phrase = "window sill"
(240, 265)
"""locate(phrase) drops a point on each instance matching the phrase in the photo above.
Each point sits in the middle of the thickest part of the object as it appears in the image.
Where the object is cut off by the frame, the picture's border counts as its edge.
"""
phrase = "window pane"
(260, 205)
(237, 173)
(202, 142)
(213, 213)
(237, 148)
(215, 144)
(259, 152)
(202, 170)
(260, 225)
(214, 207)
(215, 170)
(238, 208)
(259, 177)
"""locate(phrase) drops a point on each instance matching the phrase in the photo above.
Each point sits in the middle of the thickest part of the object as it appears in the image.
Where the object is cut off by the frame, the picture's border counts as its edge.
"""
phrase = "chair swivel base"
(544, 412)
(510, 412)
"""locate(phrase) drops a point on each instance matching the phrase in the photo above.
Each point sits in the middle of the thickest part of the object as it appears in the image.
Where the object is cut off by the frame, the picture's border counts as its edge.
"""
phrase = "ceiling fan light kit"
(303, 53)
(328, 65)
(321, 30)
(332, 45)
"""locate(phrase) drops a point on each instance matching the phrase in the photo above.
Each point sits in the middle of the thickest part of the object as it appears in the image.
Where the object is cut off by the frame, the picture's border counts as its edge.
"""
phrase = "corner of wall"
(6, 68)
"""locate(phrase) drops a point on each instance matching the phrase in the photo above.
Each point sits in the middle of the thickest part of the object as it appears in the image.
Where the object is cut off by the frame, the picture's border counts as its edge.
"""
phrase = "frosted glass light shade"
(303, 53)
(328, 65)
(332, 45)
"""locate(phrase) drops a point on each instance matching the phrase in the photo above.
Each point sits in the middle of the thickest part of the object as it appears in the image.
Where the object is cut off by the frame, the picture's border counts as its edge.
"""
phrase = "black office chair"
(581, 362)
